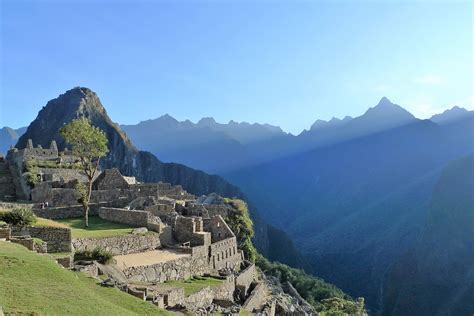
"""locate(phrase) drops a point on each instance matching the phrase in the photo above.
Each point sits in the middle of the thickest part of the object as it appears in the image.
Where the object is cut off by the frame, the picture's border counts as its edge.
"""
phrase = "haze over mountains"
(364, 199)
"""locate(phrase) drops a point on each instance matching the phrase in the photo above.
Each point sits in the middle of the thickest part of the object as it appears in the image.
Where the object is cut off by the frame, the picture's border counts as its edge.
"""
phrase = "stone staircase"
(7, 187)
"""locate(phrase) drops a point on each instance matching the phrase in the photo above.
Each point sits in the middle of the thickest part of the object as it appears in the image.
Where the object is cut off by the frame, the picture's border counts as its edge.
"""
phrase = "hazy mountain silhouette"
(453, 114)
(236, 145)
(355, 207)
(194, 144)
(9, 137)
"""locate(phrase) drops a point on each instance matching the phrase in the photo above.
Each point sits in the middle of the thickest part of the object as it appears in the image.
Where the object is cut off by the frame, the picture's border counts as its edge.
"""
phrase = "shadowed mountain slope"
(356, 206)
(436, 277)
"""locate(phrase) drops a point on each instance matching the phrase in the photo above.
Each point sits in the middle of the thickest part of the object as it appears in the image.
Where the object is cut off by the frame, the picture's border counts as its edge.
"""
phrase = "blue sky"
(284, 63)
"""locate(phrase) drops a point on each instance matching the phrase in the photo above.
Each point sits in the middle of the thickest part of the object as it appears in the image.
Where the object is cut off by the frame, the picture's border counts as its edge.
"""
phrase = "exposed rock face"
(82, 102)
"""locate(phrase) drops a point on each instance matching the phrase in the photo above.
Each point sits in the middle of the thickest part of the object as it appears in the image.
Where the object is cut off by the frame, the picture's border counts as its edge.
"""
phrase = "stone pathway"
(148, 258)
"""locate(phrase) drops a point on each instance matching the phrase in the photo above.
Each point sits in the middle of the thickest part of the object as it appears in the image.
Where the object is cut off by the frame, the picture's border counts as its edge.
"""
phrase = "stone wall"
(256, 299)
(224, 254)
(225, 291)
(5, 233)
(124, 216)
(65, 261)
(43, 192)
(67, 211)
(218, 228)
(201, 299)
(209, 210)
(58, 239)
(110, 179)
(119, 245)
(179, 269)
(26, 242)
(245, 278)
(190, 229)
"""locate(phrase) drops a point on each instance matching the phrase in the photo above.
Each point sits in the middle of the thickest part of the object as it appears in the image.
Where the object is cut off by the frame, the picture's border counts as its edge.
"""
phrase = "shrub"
(19, 217)
(32, 178)
(99, 254)
(102, 255)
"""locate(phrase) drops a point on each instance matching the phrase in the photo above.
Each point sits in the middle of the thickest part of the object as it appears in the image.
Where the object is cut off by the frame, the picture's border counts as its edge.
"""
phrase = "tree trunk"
(86, 203)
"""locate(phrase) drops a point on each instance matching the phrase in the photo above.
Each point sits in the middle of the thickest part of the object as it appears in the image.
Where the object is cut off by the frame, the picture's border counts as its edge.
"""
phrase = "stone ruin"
(188, 236)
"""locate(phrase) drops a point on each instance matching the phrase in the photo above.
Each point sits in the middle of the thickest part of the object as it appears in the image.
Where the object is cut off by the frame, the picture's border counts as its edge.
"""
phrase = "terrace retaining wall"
(119, 245)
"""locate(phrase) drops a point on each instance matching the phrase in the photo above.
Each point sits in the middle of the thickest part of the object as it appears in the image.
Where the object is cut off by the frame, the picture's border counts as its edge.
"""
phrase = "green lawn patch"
(47, 222)
(31, 283)
(97, 227)
(195, 284)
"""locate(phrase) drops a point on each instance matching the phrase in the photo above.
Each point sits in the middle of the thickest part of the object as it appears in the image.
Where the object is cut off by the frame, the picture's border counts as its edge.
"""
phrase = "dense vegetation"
(18, 217)
(325, 297)
(241, 224)
(36, 285)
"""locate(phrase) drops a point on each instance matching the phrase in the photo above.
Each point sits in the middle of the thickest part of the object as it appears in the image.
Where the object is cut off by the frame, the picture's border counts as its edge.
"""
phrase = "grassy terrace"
(195, 284)
(97, 227)
(35, 284)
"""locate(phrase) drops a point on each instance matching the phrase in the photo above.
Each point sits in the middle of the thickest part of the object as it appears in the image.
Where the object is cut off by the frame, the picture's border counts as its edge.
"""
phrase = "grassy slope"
(97, 227)
(194, 285)
(33, 283)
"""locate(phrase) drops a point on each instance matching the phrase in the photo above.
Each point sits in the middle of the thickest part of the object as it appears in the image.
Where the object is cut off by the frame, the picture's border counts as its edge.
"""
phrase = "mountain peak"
(74, 103)
(384, 101)
(207, 121)
(450, 115)
(386, 109)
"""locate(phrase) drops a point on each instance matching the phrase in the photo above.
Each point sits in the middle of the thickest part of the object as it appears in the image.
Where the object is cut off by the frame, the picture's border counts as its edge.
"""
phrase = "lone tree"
(89, 144)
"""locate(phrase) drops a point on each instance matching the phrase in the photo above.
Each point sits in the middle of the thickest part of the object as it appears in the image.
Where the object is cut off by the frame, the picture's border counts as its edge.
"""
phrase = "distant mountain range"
(234, 145)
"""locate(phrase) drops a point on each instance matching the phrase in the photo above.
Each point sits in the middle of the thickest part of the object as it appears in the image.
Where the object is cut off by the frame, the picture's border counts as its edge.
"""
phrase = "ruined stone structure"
(177, 236)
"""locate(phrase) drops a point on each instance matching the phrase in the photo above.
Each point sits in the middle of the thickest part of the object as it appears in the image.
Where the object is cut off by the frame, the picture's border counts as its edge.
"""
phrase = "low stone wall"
(124, 216)
(245, 278)
(225, 291)
(119, 245)
(27, 242)
(5, 233)
(58, 239)
(178, 269)
(61, 212)
(256, 299)
(65, 261)
(198, 300)
(74, 211)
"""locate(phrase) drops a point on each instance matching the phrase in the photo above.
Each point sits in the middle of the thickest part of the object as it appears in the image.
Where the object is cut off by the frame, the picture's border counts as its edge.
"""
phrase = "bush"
(99, 254)
(19, 217)
(241, 224)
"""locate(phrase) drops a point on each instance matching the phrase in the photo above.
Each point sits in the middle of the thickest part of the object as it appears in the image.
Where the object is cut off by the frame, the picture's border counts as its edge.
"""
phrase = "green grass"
(195, 284)
(31, 283)
(97, 227)
(47, 222)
